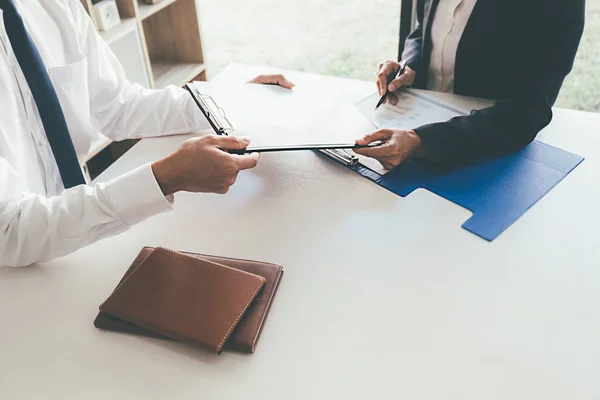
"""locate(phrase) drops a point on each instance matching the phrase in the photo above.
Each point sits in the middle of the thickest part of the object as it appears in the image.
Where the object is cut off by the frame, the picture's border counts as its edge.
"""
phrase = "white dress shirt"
(39, 220)
(447, 27)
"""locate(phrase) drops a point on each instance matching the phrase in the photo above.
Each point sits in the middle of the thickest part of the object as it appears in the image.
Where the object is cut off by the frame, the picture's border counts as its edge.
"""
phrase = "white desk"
(382, 297)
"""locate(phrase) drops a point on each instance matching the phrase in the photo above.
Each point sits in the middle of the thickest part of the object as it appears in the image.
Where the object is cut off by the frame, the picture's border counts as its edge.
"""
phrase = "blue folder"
(497, 192)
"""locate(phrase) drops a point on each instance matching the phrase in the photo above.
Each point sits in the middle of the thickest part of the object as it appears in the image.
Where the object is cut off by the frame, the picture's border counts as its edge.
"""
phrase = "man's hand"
(203, 165)
(389, 69)
(275, 79)
(397, 146)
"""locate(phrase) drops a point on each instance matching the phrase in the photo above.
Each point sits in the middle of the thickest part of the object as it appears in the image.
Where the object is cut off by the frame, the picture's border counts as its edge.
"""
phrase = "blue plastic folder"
(497, 192)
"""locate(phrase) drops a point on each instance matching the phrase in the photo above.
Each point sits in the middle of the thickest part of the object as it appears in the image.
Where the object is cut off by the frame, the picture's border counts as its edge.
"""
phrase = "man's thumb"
(232, 142)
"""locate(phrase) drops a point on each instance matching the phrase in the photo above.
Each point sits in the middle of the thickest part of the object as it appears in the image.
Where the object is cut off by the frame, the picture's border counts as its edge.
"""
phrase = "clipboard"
(219, 122)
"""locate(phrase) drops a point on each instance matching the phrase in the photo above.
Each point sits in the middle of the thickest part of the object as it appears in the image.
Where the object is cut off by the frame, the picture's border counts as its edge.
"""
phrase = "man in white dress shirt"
(46, 210)
(516, 52)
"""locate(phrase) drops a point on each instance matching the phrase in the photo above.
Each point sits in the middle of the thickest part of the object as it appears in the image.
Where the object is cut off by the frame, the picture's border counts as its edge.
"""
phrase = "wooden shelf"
(169, 45)
(175, 53)
(175, 73)
(127, 25)
(147, 10)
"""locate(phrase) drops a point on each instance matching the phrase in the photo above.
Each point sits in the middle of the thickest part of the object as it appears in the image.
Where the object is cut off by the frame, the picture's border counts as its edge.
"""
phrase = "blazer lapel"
(429, 13)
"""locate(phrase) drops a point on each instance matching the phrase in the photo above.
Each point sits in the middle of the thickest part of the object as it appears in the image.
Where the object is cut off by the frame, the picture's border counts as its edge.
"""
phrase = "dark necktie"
(44, 95)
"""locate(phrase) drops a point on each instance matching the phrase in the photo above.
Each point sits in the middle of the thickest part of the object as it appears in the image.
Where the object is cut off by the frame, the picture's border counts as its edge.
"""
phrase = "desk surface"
(382, 297)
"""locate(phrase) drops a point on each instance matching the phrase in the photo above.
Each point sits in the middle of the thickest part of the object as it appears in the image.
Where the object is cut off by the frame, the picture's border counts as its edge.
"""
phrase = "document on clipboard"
(278, 119)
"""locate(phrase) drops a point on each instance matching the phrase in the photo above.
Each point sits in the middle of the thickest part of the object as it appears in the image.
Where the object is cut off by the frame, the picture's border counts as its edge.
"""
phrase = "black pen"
(400, 72)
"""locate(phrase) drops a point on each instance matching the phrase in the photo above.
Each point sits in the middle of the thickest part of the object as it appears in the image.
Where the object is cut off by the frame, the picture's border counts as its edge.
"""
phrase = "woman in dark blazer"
(517, 52)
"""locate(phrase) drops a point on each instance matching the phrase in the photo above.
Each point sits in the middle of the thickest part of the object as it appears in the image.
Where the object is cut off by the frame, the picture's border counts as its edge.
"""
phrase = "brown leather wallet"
(245, 335)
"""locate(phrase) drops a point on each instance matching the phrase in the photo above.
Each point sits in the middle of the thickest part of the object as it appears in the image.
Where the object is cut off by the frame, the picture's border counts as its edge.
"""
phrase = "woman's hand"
(388, 70)
(397, 146)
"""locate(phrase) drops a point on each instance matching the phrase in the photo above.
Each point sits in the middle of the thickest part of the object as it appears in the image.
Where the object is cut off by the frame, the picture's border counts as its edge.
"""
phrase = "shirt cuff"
(136, 195)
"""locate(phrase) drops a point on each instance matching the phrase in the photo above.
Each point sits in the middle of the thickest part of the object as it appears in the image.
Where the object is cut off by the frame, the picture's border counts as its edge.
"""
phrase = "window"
(334, 37)
(349, 38)
(581, 90)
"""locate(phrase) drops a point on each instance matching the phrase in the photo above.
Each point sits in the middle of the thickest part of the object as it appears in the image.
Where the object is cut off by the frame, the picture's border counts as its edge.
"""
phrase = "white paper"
(272, 116)
(413, 110)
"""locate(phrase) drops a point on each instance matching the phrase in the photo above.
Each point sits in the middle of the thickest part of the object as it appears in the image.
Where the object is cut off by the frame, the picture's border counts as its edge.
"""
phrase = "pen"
(400, 72)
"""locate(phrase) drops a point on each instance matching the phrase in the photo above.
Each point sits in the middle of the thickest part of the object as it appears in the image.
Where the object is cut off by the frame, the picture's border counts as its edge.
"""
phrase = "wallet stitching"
(269, 294)
(239, 317)
(249, 301)
(265, 311)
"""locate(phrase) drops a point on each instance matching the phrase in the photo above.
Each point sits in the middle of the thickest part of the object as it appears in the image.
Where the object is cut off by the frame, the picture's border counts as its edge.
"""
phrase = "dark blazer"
(517, 52)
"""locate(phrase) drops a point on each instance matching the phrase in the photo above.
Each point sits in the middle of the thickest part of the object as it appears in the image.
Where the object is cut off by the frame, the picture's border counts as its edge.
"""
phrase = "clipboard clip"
(214, 114)
(341, 155)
